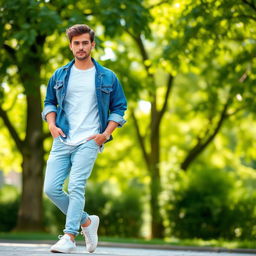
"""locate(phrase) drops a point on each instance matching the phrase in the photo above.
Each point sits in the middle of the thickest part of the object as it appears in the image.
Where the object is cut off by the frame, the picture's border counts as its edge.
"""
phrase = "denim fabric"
(111, 100)
(77, 162)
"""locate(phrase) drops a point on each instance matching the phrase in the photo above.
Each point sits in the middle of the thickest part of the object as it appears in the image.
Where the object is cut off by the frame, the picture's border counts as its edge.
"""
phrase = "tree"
(191, 43)
(23, 50)
(214, 32)
(155, 42)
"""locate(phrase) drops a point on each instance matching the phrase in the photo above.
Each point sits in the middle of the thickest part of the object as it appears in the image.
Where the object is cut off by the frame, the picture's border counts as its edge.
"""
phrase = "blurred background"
(183, 166)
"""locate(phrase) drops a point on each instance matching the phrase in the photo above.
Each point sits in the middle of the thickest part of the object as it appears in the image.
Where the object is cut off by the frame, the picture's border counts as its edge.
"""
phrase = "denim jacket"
(110, 96)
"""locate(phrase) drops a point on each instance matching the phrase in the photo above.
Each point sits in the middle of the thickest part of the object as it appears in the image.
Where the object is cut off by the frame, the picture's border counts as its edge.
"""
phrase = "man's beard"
(82, 57)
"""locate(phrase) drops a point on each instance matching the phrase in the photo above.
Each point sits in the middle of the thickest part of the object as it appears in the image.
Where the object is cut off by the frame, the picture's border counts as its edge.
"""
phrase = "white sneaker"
(90, 233)
(64, 245)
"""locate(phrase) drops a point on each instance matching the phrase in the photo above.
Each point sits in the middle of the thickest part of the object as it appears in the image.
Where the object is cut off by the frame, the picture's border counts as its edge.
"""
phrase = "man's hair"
(78, 30)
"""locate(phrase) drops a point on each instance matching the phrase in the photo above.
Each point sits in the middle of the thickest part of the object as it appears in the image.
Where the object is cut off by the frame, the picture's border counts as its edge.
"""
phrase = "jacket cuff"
(117, 118)
(47, 109)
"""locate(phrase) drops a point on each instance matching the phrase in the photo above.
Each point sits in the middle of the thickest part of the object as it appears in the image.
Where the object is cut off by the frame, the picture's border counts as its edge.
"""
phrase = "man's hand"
(56, 131)
(98, 138)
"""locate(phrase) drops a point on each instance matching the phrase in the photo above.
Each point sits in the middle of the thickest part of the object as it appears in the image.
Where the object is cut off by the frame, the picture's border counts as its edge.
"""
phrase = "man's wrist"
(51, 125)
(106, 134)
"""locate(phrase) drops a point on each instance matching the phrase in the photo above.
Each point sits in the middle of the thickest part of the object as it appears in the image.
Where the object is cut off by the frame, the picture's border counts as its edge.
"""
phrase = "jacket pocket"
(58, 85)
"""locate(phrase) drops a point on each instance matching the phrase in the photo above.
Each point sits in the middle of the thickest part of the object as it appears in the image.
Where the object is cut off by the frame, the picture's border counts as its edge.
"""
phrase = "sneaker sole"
(63, 251)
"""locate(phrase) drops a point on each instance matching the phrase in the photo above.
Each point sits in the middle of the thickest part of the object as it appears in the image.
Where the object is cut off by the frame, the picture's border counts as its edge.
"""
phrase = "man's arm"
(50, 102)
(110, 128)
(117, 107)
(103, 137)
(118, 103)
(55, 131)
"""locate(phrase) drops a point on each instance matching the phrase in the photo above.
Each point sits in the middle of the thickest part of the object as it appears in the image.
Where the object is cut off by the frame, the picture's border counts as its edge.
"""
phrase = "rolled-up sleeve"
(118, 104)
(117, 118)
(50, 102)
(48, 109)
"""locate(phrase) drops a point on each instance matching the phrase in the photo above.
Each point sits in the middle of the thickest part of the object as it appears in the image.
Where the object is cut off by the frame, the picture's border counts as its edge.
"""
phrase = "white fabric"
(90, 233)
(80, 105)
(64, 245)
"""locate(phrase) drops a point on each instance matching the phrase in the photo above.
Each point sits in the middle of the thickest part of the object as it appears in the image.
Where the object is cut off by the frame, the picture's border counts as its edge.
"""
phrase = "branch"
(11, 129)
(168, 90)
(241, 80)
(243, 77)
(158, 4)
(246, 16)
(236, 111)
(142, 49)
(200, 146)
(10, 51)
(140, 138)
(143, 52)
(250, 4)
(223, 116)
(130, 33)
(91, 14)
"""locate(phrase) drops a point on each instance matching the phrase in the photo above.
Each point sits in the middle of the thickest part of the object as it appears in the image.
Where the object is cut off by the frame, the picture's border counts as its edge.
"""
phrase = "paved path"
(41, 249)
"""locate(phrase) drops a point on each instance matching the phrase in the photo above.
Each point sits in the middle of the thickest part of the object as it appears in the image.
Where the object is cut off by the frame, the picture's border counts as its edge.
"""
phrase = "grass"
(171, 241)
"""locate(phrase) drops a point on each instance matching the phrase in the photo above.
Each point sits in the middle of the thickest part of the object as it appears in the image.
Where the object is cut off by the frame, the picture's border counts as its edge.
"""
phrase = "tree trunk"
(157, 229)
(30, 216)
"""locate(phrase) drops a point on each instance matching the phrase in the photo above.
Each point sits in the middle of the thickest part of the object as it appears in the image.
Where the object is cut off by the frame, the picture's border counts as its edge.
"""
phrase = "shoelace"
(61, 236)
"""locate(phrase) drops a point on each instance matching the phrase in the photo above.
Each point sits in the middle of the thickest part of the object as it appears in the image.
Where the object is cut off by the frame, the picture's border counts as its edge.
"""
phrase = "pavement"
(41, 248)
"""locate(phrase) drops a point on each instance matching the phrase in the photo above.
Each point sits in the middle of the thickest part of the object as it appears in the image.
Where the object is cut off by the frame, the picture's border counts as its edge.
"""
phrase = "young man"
(84, 104)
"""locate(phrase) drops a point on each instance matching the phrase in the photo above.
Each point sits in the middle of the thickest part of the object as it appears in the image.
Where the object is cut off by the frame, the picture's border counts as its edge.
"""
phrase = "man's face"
(81, 46)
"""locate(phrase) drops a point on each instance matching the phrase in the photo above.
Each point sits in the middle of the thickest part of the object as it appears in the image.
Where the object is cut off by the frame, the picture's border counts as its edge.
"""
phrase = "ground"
(41, 249)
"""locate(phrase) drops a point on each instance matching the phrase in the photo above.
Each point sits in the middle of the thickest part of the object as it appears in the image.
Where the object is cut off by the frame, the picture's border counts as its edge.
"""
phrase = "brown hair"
(78, 30)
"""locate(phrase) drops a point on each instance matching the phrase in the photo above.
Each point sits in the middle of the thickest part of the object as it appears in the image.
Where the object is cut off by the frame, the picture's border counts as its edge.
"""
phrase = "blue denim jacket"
(110, 97)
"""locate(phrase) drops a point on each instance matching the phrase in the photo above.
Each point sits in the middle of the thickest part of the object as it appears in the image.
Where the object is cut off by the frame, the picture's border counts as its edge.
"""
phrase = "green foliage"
(129, 15)
(54, 219)
(206, 205)
(124, 218)
(120, 214)
(8, 215)
(9, 204)
(207, 45)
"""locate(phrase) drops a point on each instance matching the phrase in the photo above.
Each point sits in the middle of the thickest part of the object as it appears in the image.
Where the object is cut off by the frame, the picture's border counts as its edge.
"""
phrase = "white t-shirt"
(80, 106)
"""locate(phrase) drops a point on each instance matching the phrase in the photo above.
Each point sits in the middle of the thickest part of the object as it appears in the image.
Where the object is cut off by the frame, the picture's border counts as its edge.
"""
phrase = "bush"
(121, 215)
(9, 206)
(124, 218)
(54, 219)
(8, 215)
(206, 206)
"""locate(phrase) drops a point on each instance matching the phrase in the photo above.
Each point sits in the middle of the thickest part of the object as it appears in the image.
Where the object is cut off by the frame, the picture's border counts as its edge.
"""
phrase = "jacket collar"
(99, 68)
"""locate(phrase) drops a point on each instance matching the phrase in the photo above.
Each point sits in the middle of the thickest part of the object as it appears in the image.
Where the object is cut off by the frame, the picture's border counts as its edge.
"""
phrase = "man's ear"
(93, 44)
(70, 46)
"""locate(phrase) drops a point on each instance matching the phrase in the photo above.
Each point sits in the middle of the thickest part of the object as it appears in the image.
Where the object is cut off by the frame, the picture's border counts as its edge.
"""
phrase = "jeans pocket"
(95, 143)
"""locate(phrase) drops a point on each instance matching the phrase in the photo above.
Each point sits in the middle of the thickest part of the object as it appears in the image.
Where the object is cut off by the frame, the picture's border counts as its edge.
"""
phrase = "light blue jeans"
(77, 162)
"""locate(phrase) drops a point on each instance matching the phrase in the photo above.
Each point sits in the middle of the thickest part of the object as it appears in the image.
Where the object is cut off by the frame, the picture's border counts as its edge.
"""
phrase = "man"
(84, 104)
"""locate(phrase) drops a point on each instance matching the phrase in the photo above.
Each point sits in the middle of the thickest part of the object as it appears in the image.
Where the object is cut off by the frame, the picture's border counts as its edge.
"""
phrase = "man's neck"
(84, 64)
